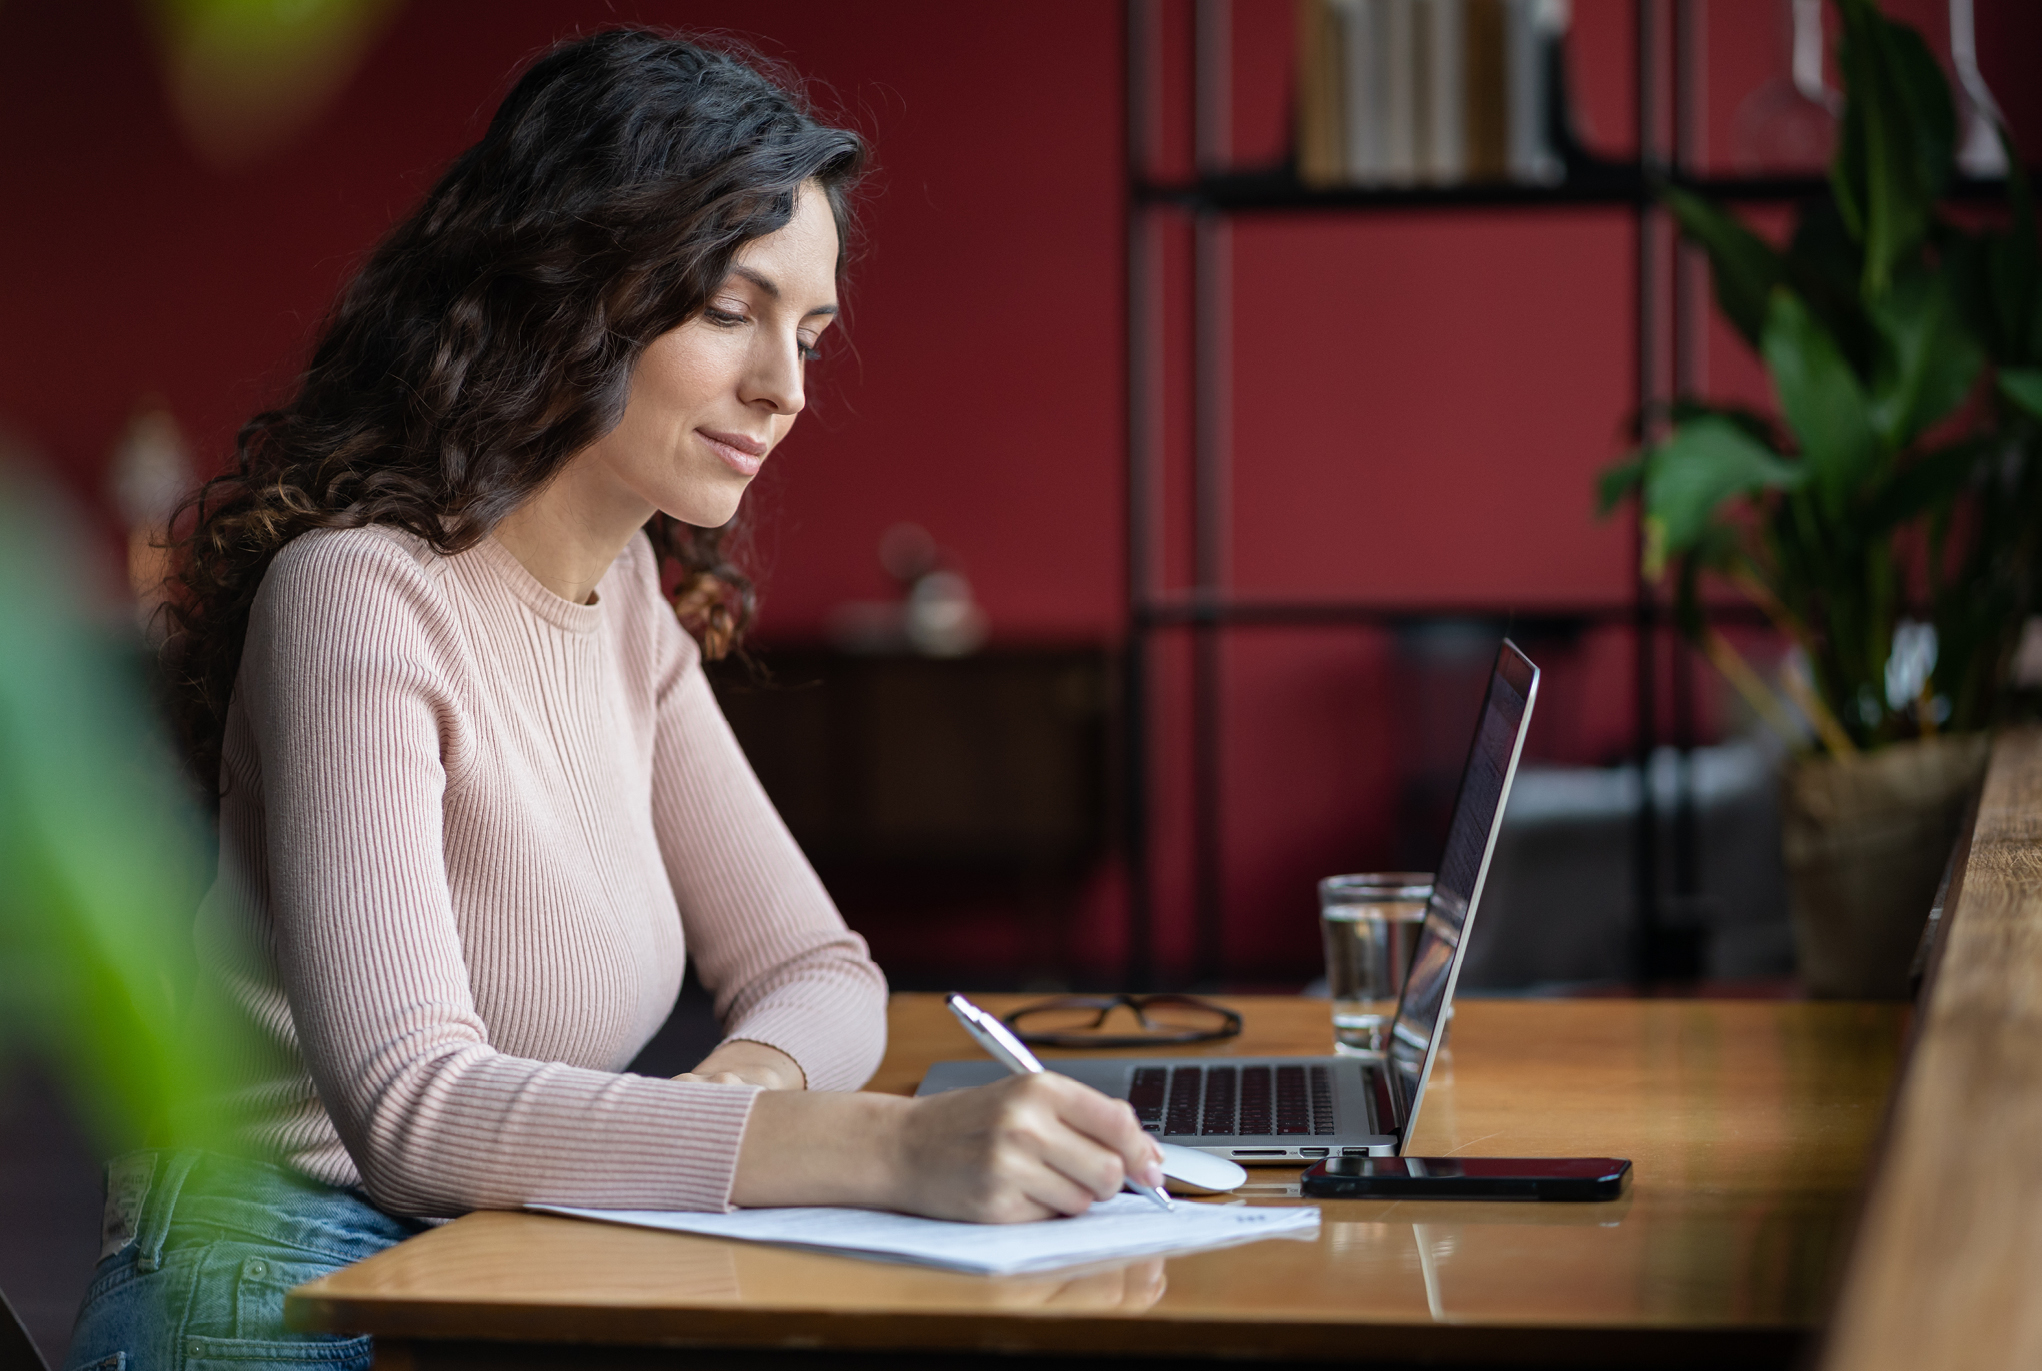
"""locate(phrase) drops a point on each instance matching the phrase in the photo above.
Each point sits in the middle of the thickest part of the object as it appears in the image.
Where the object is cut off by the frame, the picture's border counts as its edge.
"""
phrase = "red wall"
(985, 320)
(1421, 401)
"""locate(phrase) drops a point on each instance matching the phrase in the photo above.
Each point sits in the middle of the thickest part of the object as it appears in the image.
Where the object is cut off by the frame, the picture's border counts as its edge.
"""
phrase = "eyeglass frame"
(1229, 1026)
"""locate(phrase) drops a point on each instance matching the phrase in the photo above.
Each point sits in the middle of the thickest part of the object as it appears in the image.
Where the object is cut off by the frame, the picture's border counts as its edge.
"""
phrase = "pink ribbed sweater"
(470, 833)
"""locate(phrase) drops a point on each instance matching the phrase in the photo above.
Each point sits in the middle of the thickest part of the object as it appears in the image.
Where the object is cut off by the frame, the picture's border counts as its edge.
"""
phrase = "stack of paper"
(1124, 1226)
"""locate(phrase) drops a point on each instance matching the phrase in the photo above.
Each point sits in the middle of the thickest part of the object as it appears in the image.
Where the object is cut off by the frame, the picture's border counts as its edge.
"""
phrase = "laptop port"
(1311, 1151)
(1354, 1151)
(1261, 1152)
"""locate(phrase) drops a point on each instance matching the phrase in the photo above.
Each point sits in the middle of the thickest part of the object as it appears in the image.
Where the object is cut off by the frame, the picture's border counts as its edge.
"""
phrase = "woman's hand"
(1130, 1288)
(1028, 1147)
(739, 1062)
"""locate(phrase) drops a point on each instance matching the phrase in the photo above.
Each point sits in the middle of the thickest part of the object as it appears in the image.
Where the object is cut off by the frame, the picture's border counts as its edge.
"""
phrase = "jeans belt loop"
(158, 1210)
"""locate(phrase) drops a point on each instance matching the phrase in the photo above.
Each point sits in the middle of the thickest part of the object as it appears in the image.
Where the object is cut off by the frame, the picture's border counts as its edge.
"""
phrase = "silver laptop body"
(1278, 1109)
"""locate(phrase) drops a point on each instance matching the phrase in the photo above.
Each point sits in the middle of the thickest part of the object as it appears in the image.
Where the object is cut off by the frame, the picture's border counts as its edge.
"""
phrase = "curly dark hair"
(492, 335)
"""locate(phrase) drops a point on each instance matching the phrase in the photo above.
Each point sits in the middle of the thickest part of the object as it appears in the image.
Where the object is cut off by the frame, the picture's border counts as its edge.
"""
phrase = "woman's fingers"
(1048, 1187)
(1023, 1148)
(1071, 1129)
(1112, 1124)
(1085, 1161)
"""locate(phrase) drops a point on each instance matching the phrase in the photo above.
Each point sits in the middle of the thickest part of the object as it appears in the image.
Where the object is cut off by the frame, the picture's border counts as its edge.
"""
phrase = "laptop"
(1282, 1109)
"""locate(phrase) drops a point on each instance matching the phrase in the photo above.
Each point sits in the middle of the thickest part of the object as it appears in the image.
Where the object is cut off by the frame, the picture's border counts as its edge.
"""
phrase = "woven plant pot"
(1866, 840)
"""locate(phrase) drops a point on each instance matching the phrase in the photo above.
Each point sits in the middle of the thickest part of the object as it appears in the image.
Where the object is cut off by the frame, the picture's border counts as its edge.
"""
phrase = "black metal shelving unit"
(1664, 950)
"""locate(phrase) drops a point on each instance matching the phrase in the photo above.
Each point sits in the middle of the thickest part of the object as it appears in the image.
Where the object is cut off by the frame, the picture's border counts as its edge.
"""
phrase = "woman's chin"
(705, 513)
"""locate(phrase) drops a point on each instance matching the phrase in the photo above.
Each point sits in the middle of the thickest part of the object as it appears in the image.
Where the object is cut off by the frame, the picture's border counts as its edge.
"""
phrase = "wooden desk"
(1949, 1263)
(1749, 1124)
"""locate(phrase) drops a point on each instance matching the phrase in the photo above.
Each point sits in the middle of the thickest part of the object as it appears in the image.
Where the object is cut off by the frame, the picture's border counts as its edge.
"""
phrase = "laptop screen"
(1457, 886)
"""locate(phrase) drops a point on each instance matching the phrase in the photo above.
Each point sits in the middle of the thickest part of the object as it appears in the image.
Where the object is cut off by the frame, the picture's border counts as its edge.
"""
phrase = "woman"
(477, 801)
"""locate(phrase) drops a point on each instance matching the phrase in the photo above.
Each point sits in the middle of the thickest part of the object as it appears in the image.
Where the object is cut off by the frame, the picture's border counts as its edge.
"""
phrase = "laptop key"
(1293, 1106)
(1221, 1090)
(1187, 1086)
(1148, 1092)
(1322, 1100)
(1256, 1117)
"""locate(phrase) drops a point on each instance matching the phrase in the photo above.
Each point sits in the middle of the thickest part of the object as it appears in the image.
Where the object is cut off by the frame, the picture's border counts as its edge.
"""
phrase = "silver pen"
(1009, 1051)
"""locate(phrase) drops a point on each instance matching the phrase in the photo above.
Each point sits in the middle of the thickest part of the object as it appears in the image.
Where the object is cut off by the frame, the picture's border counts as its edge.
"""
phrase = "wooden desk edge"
(1943, 1263)
(437, 1335)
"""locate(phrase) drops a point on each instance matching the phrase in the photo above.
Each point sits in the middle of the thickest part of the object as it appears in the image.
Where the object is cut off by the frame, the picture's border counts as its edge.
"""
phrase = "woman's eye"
(725, 318)
(809, 351)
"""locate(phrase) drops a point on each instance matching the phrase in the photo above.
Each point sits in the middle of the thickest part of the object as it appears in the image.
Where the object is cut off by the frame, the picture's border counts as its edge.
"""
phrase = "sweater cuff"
(832, 1056)
(715, 1120)
(677, 1149)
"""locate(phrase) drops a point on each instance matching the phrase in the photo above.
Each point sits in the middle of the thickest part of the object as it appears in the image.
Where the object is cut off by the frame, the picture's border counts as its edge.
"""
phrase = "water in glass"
(1371, 925)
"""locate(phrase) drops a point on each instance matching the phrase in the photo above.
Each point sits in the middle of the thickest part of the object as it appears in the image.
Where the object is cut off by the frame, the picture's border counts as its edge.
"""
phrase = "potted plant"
(1886, 519)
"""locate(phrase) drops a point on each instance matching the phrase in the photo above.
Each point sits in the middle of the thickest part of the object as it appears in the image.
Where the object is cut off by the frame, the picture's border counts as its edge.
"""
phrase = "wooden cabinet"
(934, 791)
(994, 762)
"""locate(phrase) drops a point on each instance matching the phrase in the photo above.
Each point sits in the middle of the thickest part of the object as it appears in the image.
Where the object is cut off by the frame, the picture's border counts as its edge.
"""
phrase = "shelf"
(1664, 951)
(1199, 611)
(1277, 190)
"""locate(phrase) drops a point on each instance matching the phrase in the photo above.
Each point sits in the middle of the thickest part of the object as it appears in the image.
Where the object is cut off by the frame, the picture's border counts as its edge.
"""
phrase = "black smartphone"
(1468, 1178)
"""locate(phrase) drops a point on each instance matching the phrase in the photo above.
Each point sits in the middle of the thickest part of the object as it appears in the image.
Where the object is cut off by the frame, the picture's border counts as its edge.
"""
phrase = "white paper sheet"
(1124, 1226)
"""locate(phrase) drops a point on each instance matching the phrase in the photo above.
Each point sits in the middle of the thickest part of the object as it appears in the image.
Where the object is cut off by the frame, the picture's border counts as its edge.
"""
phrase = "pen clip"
(994, 1036)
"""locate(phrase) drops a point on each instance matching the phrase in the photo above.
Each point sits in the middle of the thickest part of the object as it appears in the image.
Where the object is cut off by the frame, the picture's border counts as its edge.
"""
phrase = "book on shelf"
(1428, 92)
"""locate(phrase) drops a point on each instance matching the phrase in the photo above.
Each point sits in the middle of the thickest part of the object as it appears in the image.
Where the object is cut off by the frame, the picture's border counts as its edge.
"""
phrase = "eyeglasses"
(1163, 1019)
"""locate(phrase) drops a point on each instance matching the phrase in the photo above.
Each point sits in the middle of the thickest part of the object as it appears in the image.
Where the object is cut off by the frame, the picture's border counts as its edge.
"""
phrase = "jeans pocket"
(236, 1315)
(260, 1283)
(127, 1312)
(309, 1353)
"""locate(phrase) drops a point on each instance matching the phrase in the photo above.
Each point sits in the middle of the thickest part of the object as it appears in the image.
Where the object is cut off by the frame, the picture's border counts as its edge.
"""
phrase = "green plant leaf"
(1690, 475)
(1616, 482)
(1825, 267)
(101, 860)
(1824, 404)
(1928, 361)
(1847, 168)
(1966, 260)
(1761, 427)
(2013, 276)
(2023, 385)
(2016, 270)
(1745, 266)
(1898, 145)
(1932, 113)
(1928, 483)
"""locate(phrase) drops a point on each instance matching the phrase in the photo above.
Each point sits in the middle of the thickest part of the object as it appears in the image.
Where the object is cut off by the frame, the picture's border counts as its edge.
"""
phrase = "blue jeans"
(197, 1252)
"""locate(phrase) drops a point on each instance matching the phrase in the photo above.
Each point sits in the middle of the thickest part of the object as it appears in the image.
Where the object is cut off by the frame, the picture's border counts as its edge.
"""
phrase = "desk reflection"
(770, 1273)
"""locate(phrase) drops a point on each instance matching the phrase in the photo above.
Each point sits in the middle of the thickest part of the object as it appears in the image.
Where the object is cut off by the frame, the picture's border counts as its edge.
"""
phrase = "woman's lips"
(741, 453)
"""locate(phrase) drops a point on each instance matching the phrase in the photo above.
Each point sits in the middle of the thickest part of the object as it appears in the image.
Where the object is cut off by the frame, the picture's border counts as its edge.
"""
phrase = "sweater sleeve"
(348, 681)
(767, 940)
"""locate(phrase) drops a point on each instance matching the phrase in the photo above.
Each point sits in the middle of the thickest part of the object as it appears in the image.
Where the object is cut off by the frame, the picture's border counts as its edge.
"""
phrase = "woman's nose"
(775, 379)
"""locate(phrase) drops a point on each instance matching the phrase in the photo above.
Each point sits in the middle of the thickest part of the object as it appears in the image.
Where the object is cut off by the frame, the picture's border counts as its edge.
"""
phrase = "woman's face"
(711, 399)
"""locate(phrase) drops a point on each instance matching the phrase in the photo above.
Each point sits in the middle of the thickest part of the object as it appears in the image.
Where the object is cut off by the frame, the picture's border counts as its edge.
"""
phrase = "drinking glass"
(1371, 923)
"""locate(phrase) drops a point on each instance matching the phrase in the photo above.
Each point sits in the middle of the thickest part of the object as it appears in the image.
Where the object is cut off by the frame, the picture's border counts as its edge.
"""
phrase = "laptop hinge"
(1387, 1117)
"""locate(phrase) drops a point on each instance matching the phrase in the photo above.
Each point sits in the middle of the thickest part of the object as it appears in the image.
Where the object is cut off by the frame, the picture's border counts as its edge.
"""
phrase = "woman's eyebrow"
(766, 284)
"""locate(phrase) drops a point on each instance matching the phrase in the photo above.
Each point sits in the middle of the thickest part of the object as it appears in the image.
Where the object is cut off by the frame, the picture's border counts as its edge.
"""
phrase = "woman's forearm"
(822, 1147)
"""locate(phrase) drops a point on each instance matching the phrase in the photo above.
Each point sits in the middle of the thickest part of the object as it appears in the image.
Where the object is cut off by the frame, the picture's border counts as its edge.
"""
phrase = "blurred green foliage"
(1905, 352)
(246, 77)
(103, 857)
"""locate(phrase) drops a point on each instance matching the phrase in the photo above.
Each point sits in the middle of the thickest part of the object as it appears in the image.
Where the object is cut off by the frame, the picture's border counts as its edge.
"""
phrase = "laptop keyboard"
(1254, 1101)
